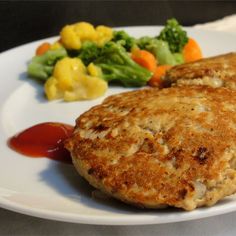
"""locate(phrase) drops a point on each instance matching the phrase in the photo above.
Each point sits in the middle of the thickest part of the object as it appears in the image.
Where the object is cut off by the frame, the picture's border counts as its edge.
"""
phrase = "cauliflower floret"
(72, 36)
(69, 38)
(71, 80)
(67, 70)
(87, 87)
(85, 31)
(104, 34)
(56, 45)
(94, 70)
(52, 90)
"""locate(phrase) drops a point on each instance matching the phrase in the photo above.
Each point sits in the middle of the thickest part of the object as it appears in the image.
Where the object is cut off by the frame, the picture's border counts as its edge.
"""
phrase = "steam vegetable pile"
(85, 59)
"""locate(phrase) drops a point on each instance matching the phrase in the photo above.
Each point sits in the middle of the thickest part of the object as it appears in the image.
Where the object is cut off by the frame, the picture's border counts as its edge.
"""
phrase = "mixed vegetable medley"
(85, 59)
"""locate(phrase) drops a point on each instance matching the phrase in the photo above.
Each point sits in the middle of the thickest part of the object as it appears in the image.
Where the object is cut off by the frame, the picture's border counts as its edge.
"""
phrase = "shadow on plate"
(37, 85)
(66, 181)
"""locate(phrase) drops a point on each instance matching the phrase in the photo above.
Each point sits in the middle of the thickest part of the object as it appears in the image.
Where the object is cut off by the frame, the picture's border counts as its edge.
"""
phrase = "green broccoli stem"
(160, 49)
(39, 71)
(162, 52)
(128, 76)
(41, 67)
(117, 65)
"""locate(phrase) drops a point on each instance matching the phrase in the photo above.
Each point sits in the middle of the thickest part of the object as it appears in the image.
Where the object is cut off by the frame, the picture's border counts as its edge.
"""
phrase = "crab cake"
(154, 148)
(219, 71)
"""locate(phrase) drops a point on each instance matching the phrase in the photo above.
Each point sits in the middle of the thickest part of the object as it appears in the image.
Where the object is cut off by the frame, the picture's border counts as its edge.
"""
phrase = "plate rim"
(104, 220)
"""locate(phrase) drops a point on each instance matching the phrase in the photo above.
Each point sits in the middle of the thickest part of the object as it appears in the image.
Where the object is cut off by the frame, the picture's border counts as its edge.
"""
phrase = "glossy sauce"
(43, 140)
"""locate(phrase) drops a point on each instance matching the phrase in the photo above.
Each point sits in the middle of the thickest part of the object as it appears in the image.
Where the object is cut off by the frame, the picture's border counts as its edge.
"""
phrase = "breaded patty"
(219, 71)
(154, 148)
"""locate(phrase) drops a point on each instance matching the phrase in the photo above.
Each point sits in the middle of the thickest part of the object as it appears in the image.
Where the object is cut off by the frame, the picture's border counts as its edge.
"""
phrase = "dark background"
(25, 21)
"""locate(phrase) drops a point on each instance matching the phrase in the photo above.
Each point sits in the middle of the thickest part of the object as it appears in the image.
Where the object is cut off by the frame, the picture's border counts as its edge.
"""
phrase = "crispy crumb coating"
(155, 148)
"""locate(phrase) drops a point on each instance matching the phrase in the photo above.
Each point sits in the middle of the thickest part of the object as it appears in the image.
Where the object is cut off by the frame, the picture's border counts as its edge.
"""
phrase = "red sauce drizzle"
(43, 140)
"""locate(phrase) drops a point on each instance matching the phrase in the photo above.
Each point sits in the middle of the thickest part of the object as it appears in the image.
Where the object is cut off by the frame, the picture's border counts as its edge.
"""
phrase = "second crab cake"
(218, 71)
(154, 148)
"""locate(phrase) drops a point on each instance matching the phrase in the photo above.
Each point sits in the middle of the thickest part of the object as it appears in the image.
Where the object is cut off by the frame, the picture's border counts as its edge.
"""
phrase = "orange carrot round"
(144, 59)
(159, 72)
(41, 49)
(192, 51)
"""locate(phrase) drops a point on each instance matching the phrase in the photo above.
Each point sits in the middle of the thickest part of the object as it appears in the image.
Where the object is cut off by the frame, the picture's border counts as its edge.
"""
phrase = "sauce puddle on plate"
(43, 140)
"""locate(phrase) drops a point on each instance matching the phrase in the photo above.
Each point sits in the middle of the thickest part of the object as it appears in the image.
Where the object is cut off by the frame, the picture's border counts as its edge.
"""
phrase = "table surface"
(18, 224)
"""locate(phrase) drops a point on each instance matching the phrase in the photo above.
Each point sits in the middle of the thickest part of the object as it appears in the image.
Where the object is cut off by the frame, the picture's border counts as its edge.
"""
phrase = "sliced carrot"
(192, 51)
(44, 47)
(144, 59)
(160, 71)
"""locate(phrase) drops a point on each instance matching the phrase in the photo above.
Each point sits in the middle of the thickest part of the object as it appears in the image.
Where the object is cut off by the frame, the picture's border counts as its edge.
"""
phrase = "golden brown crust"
(218, 71)
(153, 148)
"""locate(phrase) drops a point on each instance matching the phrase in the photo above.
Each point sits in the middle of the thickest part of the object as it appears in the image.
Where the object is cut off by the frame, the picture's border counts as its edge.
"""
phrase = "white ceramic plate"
(53, 190)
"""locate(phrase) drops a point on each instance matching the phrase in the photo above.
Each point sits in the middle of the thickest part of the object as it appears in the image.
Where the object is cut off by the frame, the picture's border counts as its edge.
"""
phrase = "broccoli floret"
(143, 42)
(174, 34)
(124, 39)
(89, 52)
(41, 67)
(117, 65)
(160, 49)
(179, 58)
